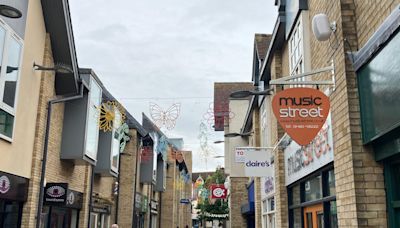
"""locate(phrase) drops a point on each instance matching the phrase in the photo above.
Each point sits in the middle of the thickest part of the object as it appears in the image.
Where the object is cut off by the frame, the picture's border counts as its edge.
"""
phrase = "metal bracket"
(286, 80)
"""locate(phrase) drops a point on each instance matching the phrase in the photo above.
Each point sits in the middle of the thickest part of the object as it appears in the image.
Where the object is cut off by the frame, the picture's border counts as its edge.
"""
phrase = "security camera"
(321, 27)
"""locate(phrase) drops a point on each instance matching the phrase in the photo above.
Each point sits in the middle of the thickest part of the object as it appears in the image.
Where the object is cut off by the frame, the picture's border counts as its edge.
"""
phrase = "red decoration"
(218, 191)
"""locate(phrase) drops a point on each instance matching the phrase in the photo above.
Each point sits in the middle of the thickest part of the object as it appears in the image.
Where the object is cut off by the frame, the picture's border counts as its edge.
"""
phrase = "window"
(268, 210)
(298, 48)
(115, 142)
(92, 135)
(10, 58)
(313, 199)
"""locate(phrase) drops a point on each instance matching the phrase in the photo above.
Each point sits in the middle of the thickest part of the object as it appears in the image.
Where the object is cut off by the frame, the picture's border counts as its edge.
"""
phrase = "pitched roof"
(261, 45)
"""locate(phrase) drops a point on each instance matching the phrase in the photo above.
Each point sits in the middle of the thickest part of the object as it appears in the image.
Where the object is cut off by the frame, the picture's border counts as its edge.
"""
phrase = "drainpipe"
(45, 149)
(138, 152)
(91, 194)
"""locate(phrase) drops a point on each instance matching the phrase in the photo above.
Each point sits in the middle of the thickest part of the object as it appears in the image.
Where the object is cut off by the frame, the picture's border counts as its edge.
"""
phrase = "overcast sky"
(171, 51)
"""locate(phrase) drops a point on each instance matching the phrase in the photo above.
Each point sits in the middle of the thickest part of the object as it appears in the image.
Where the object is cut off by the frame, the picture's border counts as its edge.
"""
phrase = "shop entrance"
(314, 216)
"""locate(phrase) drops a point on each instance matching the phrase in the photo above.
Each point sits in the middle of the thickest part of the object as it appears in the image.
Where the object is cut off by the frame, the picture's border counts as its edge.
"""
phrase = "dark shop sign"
(13, 187)
(58, 194)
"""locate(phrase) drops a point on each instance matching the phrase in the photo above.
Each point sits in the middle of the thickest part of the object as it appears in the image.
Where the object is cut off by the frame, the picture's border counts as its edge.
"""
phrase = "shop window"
(331, 183)
(10, 61)
(312, 189)
(333, 214)
(312, 201)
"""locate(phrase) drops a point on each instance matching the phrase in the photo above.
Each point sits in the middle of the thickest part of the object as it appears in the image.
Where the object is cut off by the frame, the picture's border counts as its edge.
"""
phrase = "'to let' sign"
(301, 112)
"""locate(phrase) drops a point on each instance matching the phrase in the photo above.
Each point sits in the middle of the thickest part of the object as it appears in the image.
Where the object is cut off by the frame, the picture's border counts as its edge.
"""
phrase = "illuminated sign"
(301, 112)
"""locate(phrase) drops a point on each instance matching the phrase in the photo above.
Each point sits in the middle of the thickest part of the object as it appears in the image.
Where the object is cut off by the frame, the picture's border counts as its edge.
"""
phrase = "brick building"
(352, 184)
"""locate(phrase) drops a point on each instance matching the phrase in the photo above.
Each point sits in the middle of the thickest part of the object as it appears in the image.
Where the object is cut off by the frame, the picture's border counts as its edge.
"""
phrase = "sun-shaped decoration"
(107, 114)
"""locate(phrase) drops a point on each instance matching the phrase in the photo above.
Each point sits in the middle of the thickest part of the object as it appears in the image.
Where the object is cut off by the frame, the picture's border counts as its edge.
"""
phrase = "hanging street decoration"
(162, 147)
(218, 115)
(205, 149)
(122, 134)
(301, 112)
(165, 118)
(107, 112)
(218, 191)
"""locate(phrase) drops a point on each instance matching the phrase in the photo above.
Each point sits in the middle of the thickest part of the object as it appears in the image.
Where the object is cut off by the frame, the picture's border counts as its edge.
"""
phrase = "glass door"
(314, 216)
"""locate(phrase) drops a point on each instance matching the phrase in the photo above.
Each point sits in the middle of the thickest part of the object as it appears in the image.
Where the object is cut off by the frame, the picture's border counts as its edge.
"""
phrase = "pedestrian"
(114, 226)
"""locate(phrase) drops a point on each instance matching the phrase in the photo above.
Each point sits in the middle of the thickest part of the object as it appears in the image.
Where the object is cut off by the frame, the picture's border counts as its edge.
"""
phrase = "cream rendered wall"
(16, 156)
(239, 108)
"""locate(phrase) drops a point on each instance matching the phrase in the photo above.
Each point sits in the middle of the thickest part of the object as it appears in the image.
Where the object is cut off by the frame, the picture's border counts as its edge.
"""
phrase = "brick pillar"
(127, 179)
(238, 197)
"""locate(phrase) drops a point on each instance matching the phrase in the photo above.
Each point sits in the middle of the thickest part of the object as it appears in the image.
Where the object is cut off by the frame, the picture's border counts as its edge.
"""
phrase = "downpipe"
(46, 146)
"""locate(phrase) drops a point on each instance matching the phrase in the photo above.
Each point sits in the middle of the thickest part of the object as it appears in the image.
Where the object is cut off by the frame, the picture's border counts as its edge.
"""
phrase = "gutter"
(46, 147)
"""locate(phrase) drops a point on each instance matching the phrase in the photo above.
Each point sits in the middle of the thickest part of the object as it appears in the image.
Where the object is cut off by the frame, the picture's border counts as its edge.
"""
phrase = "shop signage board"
(301, 112)
(153, 206)
(13, 187)
(145, 204)
(303, 160)
(267, 186)
(56, 193)
(239, 154)
(185, 201)
(218, 191)
(138, 200)
(258, 162)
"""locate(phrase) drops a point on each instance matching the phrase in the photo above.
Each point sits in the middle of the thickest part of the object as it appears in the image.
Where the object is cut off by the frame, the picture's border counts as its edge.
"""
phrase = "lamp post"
(247, 93)
(235, 134)
(10, 12)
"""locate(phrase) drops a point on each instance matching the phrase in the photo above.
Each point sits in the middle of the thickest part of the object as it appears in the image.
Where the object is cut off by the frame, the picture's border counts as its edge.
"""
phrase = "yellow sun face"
(107, 115)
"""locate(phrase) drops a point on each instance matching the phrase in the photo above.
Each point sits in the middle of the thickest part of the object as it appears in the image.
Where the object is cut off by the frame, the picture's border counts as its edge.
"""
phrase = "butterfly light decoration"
(166, 118)
(219, 112)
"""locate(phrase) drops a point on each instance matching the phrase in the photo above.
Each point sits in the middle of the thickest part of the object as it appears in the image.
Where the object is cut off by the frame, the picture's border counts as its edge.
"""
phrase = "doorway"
(314, 216)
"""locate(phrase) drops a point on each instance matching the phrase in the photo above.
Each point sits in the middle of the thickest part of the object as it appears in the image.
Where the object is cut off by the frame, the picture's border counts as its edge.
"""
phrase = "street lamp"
(235, 134)
(219, 156)
(247, 93)
(219, 141)
(10, 12)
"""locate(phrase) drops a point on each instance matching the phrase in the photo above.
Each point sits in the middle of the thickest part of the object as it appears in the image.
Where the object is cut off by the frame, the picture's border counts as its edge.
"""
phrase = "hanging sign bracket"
(288, 80)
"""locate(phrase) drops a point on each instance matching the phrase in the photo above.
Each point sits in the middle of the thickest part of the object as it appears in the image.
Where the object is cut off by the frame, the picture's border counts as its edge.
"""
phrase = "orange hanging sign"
(301, 112)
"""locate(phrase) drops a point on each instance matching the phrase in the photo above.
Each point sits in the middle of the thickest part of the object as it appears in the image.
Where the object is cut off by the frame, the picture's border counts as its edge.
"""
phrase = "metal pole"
(91, 194)
(45, 150)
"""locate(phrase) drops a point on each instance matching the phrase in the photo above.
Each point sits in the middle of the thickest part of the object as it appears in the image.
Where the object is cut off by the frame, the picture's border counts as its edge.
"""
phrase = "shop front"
(310, 181)
(138, 217)
(61, 206)
(13, 193)
(378, 67)
(100, 215)
(154, 214)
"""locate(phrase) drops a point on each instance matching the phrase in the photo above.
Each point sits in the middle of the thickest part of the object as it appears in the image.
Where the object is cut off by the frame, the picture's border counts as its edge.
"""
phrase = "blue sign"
(185, 201)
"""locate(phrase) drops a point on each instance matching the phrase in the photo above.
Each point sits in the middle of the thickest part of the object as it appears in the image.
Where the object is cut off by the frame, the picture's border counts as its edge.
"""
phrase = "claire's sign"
(258, 162)
(301, 112)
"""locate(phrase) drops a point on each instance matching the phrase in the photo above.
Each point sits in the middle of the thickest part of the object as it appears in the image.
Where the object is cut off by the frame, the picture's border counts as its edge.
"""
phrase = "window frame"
(93, 83)
(301, 34)
(10, 34)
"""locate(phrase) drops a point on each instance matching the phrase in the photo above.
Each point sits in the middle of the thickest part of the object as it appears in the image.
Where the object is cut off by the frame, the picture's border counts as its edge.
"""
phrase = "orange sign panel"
(301, 112)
